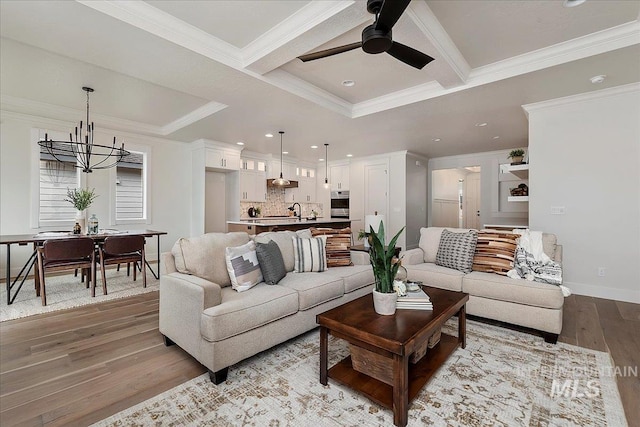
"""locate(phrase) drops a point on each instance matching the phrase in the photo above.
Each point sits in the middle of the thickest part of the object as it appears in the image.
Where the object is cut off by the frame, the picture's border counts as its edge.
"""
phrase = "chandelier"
(88, 156)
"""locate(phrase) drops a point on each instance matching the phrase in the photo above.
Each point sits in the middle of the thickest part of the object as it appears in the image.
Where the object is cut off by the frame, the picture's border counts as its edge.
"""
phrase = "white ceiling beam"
(427, 22)
(200, 113)
(313, 25)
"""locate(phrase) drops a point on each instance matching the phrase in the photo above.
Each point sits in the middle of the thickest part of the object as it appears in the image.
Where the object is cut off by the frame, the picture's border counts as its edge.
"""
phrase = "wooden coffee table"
(391, 340)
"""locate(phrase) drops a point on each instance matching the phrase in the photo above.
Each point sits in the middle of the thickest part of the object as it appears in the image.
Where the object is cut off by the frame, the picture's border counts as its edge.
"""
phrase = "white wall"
(169, 185)
(585, 157)
(445, 183)
(416, 200)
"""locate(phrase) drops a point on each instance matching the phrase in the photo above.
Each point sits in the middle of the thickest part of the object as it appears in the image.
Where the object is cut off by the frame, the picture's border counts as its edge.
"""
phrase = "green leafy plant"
(258, 210)
(80, 198)
(518, 152)
(362, 235)
(382, 260)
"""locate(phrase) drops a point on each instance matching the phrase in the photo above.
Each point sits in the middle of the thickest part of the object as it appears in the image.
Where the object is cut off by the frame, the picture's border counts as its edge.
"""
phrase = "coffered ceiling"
(228, 70)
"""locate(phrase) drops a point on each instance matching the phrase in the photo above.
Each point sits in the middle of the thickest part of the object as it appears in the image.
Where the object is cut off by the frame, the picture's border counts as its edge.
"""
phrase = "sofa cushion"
(284, 239)
(495, 252)
(271, 262)
(313, 288)
(493, 286)
(243, 311)
(204, 256)
(242, 266)
(436, 276)
(355, 276)
(309, 254)
(456, 250)
(430, 240)
(338, 245)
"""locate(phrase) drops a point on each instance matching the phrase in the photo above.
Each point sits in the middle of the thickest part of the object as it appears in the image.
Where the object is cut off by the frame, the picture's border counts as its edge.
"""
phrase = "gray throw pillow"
(271, 262)
(456, 250)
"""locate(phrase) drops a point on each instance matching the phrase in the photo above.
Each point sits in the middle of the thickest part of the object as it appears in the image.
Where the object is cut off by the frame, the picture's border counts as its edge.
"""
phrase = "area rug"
(502, 378)
(67, 292)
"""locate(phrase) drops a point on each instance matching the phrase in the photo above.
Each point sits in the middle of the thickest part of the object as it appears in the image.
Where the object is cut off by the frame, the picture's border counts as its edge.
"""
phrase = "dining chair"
(66, 254)
(120, 250)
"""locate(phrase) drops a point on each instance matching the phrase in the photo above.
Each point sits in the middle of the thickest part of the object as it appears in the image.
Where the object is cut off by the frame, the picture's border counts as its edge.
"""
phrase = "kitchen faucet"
(293, 207)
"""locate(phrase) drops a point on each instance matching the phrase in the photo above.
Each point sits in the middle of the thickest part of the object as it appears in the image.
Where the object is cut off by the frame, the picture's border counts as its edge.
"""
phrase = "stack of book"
(415, 301)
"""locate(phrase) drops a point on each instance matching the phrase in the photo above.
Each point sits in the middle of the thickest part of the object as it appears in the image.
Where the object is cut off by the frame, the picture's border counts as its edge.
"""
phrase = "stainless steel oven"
(339, 204)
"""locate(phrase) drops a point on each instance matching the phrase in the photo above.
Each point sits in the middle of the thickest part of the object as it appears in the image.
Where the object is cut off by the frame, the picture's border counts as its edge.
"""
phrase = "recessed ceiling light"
(240, 143)
(268, 135)
(436, 140)
(348, 83)
(285, 152)
(481, 125)
(597, 79)
(314, 146)
(573, 3)
(321, 160)
(496, 137)
(349, 155)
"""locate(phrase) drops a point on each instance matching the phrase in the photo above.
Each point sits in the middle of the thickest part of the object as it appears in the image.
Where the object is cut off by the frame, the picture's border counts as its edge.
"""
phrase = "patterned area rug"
(502, 378)
(67, 292)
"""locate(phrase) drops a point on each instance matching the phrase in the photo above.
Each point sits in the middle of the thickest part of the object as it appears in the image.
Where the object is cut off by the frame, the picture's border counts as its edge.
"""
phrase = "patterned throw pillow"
(495, 252)
(456, 250)
(309, 254)
(338, 245)
(242, 265)
(271, 262)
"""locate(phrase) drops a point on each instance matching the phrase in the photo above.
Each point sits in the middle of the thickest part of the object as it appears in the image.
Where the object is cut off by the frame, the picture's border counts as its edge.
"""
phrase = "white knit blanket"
(531, 263)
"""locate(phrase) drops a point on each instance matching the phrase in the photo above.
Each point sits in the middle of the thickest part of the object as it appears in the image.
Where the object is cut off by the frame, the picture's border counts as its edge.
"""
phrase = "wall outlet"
(557, 210)
(602, 271)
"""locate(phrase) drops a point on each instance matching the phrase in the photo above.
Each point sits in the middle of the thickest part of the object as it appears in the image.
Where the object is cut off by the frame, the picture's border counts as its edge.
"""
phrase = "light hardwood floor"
(79, 366)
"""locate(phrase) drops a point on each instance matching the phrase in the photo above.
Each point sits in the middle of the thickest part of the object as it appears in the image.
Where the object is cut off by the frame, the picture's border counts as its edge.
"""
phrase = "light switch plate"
(557, 210)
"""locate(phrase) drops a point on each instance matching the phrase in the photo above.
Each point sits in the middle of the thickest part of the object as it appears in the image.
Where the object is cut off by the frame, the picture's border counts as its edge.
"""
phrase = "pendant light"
(280, 182)
(326, 165)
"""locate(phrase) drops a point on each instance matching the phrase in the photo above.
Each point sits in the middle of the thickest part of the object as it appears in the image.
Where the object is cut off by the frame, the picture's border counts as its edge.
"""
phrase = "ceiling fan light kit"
(377, 37)
(281, 182)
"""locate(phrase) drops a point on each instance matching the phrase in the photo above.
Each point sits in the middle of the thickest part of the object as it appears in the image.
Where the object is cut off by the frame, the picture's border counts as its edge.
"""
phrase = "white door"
(472, 201)
(376, 185)
(215, 206)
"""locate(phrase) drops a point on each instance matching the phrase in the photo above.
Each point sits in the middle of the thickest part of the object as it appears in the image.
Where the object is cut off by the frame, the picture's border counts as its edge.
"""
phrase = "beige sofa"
(219, 326)
(519, 302)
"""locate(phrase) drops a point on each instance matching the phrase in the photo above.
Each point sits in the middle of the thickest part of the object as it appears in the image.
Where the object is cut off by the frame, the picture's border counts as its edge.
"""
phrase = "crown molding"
(294, 26)
(192, 117)
(164, 25)
(427, 22)
(306, 90)
(588, 96)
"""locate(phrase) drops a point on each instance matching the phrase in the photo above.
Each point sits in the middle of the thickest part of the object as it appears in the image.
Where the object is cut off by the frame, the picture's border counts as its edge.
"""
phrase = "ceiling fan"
(376, 38)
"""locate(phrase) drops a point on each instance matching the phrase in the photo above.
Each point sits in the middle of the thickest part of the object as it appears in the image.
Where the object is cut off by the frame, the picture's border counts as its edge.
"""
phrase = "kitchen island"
(261, 225)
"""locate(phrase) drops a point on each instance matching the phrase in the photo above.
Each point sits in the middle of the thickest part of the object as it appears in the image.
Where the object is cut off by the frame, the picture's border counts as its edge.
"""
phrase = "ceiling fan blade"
(409, 55)
(390, 12)
(329, 52)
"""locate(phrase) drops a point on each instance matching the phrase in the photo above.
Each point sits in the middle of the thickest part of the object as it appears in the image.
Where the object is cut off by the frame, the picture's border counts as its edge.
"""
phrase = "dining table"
(38, 239)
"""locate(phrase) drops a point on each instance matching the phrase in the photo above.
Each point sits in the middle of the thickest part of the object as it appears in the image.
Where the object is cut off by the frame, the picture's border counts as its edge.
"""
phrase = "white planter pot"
(384, 304)
(81, 218)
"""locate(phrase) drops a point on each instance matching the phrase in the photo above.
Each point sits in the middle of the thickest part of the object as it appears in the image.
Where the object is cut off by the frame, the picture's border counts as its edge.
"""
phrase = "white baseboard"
(627, 295)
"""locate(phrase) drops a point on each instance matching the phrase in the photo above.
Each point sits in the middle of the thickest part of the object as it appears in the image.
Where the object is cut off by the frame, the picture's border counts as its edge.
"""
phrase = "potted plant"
(516, 156)
(81, 199)
(385, 268)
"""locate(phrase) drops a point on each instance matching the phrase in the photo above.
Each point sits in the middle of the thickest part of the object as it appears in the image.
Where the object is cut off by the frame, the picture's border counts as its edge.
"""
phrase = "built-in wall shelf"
(521, 171)
(518, 198)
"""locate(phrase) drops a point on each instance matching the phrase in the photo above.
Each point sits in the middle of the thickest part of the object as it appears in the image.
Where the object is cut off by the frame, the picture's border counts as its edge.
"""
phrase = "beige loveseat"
(520, 302)
(218, 326)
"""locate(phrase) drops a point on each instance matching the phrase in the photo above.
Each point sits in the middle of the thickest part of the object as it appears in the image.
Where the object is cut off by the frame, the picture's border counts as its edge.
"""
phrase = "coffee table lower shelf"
(419, 374)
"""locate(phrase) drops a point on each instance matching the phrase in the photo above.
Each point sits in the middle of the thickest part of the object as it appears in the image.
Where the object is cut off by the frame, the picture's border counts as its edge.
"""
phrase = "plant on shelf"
(516, 156)
(80, 198)
(385, 267)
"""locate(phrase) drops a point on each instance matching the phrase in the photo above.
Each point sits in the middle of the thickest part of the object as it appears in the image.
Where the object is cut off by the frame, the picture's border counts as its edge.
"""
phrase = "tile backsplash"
(277, 206)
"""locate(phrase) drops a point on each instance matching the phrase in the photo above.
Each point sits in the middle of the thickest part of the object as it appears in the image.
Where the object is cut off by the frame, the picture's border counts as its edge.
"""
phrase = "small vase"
(385, 303)
(516, 160)
(81, 218)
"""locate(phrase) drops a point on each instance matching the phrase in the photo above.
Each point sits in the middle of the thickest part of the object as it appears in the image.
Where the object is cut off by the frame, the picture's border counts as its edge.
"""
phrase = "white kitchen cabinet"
(339, 177)
(288, 170)
(306, 190)
(253, 186)
(222, 159)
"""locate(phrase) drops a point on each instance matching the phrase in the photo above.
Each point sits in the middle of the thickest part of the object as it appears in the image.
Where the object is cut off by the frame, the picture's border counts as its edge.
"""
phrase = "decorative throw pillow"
(338, 245)
(243, 267)
(495, 252)
(309, 254)
(456, 250)
(271, 262)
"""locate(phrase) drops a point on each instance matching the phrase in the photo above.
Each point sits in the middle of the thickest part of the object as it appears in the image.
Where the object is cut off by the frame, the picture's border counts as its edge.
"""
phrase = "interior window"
(130, 187)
